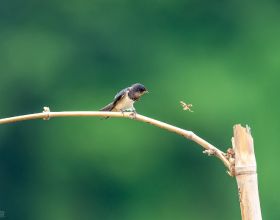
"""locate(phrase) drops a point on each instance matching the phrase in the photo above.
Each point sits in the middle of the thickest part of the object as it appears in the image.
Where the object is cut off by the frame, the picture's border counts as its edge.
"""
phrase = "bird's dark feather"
(117, 98)
(108, 107)
(120, 95)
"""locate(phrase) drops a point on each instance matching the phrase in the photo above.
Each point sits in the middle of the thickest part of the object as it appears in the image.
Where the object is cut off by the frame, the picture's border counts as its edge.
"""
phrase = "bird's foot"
(132, 115)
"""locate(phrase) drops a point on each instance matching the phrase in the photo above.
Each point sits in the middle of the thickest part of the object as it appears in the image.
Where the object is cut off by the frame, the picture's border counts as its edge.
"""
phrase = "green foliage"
(221, 56)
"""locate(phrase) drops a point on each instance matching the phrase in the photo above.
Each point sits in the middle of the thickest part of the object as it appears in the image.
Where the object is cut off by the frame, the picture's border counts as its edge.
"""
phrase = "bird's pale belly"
(125, 104)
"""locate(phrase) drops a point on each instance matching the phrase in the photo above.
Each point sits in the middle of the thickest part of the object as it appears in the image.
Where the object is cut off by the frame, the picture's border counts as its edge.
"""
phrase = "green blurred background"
(221, 56)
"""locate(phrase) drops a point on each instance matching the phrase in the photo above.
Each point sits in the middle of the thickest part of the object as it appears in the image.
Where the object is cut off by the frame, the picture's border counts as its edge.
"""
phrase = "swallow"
(124, 100)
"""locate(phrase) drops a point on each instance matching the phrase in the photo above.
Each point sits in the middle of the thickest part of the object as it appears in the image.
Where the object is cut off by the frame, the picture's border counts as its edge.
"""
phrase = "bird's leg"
(122, 111)
(133, 113)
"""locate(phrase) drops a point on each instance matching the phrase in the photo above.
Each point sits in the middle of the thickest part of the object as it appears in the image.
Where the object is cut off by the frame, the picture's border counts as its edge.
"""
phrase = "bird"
(124, 100)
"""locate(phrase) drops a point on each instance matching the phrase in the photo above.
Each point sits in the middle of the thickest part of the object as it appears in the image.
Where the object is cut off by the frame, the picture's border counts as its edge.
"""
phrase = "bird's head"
(137, 90)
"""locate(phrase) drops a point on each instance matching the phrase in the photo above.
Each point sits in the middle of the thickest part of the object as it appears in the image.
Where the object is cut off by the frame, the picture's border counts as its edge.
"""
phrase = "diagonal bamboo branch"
(47, 114)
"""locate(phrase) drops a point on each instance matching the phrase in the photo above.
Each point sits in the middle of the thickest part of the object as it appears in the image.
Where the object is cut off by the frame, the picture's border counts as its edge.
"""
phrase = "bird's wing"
(120, 95)
(117, 98)
(108, 107)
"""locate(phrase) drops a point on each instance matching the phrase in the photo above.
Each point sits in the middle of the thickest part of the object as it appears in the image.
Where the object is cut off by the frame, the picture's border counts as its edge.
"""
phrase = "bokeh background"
(221, 56)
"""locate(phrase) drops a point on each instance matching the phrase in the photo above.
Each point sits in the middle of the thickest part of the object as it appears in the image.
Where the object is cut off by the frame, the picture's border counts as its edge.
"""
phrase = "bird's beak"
(146, 92)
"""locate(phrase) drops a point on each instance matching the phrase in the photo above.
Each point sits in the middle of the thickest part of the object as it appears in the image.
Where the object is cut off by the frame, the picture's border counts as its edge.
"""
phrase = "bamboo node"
(190, 135)
(209, 152)
(46, 110)
(241, 170)
(230, 155)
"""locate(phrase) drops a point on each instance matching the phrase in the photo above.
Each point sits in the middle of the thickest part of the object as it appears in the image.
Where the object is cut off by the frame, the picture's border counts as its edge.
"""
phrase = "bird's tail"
(108, 108)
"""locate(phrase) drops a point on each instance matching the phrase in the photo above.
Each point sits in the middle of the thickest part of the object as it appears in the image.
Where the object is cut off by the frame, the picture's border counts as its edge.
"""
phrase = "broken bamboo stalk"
(246, 173)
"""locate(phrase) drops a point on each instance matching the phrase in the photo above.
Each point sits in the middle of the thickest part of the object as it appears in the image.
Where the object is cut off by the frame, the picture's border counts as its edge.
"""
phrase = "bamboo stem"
(47, 114)
(246, 173)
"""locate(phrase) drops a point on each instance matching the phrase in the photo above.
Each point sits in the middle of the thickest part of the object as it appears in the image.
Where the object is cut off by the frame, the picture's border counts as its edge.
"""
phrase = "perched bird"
(124, 100)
